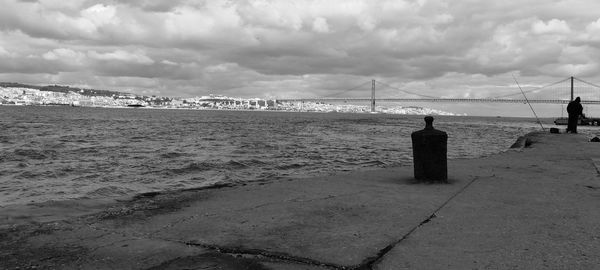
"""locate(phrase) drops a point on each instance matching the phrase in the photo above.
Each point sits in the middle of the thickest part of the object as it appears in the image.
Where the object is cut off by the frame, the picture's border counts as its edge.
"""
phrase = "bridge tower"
(571, 88)
(372, 95)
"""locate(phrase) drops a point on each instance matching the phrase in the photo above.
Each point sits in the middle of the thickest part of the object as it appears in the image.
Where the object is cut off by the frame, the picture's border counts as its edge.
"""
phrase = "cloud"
(4, 52)
(100, 15)
(320, 25)
(553, 26)
(138, 57)
(593, 27)
(65, 55)
(303, 47)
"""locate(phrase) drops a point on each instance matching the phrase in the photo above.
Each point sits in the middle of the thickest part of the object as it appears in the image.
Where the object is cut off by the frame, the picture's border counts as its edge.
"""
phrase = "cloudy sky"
(299, 48)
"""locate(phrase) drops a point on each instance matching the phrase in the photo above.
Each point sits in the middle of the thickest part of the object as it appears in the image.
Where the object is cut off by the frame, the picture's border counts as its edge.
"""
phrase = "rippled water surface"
(52, 153)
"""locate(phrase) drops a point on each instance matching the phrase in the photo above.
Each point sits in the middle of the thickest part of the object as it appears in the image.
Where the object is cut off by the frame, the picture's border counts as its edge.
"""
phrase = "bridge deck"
(453, 100)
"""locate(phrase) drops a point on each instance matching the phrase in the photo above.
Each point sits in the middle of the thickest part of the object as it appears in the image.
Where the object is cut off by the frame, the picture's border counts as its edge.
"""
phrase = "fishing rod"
(536, 117)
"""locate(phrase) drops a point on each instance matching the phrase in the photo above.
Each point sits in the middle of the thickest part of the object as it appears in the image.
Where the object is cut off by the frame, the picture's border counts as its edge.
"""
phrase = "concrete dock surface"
(536, 206)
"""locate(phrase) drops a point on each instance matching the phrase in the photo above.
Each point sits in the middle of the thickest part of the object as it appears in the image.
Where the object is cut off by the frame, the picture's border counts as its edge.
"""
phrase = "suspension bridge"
(560, 92)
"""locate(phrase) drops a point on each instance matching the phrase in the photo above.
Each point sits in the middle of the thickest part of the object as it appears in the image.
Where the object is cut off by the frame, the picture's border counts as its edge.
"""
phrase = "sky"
(301, 48)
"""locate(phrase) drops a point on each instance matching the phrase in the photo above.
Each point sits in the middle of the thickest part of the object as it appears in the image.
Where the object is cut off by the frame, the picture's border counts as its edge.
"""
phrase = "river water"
(56, 153)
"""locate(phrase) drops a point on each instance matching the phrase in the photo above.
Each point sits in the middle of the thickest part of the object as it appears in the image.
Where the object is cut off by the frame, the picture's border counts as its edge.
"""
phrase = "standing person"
(575, 110)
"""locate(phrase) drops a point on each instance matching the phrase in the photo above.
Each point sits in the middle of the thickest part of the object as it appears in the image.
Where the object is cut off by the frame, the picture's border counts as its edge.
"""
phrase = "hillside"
(63, 89)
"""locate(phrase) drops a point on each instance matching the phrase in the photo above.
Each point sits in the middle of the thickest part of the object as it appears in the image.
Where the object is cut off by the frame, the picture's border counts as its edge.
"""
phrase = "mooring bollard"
(430, 153)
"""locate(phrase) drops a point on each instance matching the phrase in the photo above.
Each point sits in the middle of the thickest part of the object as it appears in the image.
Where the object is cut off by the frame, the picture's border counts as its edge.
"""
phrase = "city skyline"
(277, 49)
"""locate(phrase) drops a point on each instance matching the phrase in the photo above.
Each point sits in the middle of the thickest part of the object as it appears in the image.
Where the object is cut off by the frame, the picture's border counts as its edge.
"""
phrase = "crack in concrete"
(371, 261)
(596, 163)
(258, 253)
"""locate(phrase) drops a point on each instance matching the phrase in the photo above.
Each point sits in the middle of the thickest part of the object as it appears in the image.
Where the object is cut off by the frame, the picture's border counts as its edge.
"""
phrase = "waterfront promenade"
(534, 207)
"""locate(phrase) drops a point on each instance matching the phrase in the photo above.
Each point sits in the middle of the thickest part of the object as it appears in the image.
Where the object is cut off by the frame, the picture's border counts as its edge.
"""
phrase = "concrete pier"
(534, 207)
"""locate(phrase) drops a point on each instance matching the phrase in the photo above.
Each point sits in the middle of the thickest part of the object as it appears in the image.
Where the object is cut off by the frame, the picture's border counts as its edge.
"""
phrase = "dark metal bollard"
(430, 153)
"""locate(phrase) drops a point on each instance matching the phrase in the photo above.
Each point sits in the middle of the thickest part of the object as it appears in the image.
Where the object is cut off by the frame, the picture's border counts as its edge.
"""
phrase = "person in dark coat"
(575, 110)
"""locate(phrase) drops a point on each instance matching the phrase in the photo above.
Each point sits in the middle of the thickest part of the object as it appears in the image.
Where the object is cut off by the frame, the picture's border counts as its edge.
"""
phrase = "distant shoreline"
(224, 109)
(550, 119)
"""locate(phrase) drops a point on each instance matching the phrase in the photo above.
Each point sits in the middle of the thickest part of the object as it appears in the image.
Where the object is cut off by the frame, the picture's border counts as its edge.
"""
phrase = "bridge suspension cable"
(408, 92)
(595, 85)
(348, 90)
(589, 91)
(559, 92)
(532, 90)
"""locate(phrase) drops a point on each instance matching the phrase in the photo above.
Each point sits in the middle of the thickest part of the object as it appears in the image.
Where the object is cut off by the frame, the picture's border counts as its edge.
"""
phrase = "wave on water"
(194, 167)
(107, 152)
(373, 163)
(109, 191)
(24, 154)
(201, 166)
(291, 166)
(171, 155)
